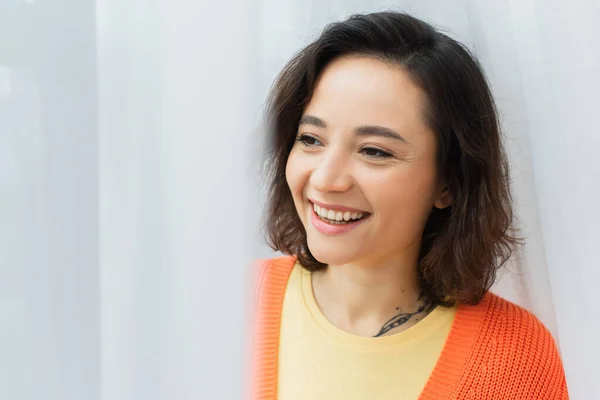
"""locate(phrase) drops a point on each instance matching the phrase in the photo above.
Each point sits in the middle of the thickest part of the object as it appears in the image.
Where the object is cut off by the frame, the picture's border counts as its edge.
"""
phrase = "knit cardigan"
(495, 349)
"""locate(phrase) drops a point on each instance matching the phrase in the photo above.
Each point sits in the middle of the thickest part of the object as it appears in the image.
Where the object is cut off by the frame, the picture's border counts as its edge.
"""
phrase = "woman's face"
(363, 149)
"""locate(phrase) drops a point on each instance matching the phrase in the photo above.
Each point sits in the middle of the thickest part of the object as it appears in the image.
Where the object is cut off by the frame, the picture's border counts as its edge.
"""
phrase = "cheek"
(408, 194)
(296, 175)
(291, 172)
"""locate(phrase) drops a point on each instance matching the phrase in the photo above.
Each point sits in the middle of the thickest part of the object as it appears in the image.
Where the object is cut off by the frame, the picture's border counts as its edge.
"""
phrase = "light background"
(129, 188)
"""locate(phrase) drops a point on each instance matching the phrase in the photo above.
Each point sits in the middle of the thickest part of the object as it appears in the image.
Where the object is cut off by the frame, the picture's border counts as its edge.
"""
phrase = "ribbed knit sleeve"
(270, 282)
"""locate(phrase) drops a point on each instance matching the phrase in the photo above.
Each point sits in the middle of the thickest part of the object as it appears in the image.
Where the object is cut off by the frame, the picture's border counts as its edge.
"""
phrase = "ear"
(444, 199)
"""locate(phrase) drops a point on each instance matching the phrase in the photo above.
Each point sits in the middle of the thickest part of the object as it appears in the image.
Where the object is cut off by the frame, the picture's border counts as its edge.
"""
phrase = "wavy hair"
(463, 245)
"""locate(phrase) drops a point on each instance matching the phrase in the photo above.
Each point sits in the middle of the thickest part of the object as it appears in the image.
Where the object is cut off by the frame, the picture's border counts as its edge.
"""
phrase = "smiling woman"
(388, 177)
(389, 193)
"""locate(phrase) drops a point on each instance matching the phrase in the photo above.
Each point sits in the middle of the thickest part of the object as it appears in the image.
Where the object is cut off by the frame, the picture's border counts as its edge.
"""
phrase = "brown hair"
(463, 245)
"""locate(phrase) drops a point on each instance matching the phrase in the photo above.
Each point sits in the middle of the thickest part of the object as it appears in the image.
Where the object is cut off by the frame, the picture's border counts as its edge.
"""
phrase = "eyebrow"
(374, 130)
(312, 120)
(366, 130)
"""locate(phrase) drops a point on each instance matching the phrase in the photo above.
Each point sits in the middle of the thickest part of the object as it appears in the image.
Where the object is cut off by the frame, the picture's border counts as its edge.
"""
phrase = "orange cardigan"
(495, 350)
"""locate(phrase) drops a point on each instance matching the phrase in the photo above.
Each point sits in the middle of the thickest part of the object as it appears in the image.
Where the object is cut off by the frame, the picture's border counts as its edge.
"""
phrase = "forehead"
(353, 91)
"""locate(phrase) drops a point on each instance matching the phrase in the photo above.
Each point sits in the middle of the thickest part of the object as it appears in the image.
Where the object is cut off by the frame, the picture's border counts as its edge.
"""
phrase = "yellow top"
(317, 360)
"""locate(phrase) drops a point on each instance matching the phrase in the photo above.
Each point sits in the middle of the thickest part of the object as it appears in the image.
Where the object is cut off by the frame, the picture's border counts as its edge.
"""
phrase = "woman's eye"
(308, 140)
(372, 152)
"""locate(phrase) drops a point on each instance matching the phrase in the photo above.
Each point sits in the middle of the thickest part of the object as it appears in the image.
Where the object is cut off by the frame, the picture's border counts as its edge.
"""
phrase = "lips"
(337, 207)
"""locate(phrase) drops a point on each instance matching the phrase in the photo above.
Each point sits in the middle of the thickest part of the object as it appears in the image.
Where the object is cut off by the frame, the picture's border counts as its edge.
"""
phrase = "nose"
(332, 173)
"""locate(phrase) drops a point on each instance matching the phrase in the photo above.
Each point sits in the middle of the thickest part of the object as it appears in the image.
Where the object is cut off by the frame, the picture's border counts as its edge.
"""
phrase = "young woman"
(389, 193)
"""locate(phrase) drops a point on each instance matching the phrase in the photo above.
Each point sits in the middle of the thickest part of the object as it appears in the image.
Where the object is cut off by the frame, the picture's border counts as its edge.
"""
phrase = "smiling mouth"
(336, 217)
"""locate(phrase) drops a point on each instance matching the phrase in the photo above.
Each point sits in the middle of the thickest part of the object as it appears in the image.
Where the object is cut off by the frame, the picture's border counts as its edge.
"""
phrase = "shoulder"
(520, 347)
(282, 262)
(509, 323)
(275, 265)
(272, 273)
(269, 278)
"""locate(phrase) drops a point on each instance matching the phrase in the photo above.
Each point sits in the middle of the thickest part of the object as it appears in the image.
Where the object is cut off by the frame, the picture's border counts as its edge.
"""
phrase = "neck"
(371, 299)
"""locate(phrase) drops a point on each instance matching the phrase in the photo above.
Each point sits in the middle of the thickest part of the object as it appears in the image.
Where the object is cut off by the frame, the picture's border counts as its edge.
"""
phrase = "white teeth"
(336, 216)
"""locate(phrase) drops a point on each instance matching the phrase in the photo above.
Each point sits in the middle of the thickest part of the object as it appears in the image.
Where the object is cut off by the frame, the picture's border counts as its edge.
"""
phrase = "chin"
(330, 254)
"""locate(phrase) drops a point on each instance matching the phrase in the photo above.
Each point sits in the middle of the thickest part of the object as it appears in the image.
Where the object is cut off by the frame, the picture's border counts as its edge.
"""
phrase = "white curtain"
(130, 201)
